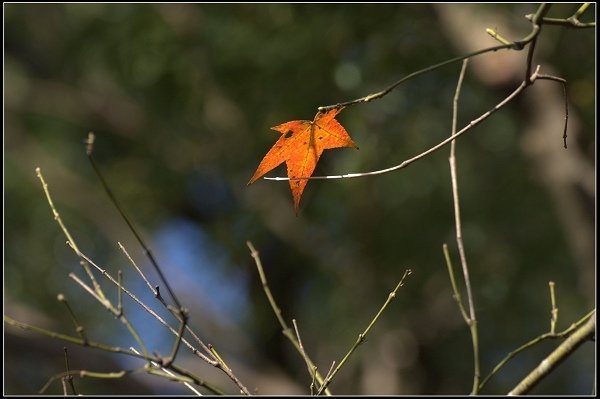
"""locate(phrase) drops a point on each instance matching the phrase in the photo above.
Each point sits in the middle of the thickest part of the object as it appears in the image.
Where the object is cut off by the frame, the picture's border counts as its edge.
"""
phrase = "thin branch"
(38, 172)
(151, 312)
(436, 147)
(66, 232)
(563, 351)
(74, 340)
(516, 45)
(69, 377)
(571, 22)
(472, 319)
(118, 314)
(564, 85)
(554, 311)
(455, 197)
(455, 291)
(180, 313)
(286, 329)
(536, 29)
(135, 266)
(311, 368)
(64, 386)
(382, 93)
(575, 326)
(83, 373)
(156, 293)
(89, 151)
(170, 373)
(97, 291)
(99, 295)
(362, 336)
(96, 345)
(78, 326)
(120, 292)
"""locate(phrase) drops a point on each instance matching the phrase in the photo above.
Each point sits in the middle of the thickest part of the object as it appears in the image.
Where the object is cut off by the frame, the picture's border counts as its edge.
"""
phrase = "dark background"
(181, 98)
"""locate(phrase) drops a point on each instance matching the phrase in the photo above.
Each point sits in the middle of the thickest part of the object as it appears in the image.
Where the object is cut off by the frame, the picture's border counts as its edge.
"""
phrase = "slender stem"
(361, 337)
(311, 370)
(180, 313)
(581, 10)
(379, 94)
(535, 21)
(135, 266)
(154, 314)
(436, 147)
(286, 329)
(554, 311)
(516, 45)
(89, 150)
(120, 292)
(564, 85)
(563, 351)
(78, 327)
(118, 314)
(535, 341)
(74, 340)
(455, 290)
(571, 22)
(171, 374)
(472, 319)
(70, 239)
(156, 293)
(69, 377)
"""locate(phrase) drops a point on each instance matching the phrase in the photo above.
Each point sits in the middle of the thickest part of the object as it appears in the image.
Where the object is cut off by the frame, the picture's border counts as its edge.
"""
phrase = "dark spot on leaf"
(320, 137)
(288, 134)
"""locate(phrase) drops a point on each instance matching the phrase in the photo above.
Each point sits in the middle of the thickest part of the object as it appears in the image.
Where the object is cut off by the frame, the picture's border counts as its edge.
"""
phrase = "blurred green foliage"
(181, 98)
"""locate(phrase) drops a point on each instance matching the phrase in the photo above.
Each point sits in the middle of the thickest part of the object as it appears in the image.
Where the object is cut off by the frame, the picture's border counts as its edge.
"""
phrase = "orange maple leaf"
(300, 146)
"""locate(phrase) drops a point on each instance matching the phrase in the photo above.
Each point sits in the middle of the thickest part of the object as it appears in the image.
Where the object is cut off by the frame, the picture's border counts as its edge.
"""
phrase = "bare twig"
(68, 377)
(455, 291)
(78, 327)
(170, 373)
(436, 147)
(107, 348)
(471, 320)
(556, 357)
(99, 295)
(116, 312)
(67, 338)
(516, 45)
(180, 312)
(286, 329)
(154, 314)
(82, 373)
(382, 93)
(135, 266)
(362, 336)
(564, 85)
(536, 29)
(571, 22)
(311, 368)
(575, 326)
(554, 311)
